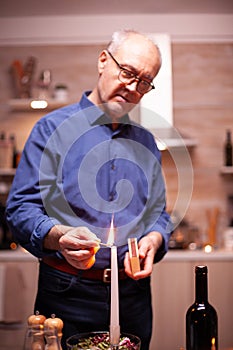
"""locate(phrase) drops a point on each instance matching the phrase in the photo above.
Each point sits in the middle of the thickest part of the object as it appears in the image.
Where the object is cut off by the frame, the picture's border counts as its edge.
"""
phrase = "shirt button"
(111, 197)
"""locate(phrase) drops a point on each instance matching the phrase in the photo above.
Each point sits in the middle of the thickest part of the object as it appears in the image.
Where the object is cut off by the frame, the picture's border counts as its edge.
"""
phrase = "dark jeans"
(84, 305)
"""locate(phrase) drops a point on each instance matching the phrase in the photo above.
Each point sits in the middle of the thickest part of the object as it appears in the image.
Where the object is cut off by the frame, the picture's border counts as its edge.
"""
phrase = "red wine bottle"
(14, 156)
(228, 149)
(201, 317)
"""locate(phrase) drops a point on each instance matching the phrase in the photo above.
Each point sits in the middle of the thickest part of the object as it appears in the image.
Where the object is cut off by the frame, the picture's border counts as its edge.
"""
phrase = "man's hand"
(147, 248)
(77, 244)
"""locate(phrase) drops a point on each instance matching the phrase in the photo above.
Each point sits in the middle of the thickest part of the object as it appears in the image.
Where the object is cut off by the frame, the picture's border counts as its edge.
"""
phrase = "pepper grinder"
(36, 319)
(53, 339)
(36, 326)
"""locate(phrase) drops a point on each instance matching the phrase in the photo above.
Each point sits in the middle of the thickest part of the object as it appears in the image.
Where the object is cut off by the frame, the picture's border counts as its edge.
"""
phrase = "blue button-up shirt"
(76, 170)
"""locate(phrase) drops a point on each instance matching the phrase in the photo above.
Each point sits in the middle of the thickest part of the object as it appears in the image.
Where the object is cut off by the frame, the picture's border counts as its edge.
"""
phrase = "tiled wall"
(203, 109)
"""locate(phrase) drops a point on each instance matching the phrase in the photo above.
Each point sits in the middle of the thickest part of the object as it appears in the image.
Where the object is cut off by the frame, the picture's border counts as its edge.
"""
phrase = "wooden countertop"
(189, 255)
(173, 255)
(18, 254)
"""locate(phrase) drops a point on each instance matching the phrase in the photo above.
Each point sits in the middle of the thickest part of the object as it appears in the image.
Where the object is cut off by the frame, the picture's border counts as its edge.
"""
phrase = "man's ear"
(102, 61)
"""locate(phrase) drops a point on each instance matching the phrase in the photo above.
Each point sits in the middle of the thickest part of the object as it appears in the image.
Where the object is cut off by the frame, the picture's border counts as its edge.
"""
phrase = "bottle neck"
(228, 138)
(201, 287)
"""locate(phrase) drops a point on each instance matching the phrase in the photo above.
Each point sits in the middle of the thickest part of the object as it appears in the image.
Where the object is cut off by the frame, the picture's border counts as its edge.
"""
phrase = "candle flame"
(111, 234)
(213, 347)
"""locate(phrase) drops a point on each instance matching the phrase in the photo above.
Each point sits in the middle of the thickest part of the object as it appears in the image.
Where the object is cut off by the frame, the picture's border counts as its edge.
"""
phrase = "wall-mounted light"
(38, 104)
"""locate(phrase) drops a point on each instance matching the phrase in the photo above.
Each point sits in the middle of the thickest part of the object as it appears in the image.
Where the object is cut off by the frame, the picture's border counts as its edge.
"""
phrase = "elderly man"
(83, 165)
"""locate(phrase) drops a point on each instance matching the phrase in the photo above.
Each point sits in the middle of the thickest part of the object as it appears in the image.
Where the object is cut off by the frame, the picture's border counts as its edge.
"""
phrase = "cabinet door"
(173, 288)
(17, 294)
(172, 292)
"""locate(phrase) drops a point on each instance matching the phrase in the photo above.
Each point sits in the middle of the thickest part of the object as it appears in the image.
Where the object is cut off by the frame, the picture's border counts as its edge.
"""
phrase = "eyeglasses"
(127, 77)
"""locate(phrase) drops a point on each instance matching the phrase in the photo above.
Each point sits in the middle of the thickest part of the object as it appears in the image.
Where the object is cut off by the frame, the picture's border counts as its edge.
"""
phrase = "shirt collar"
(91, 111)
(95, 115)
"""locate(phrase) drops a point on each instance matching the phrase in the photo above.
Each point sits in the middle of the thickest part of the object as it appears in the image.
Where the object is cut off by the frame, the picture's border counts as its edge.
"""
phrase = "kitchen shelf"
(226, 170)
(24, 105)
(7, 171)
(169, 138)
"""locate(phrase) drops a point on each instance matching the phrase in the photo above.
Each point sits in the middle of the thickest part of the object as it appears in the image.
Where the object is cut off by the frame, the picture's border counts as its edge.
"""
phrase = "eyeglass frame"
(134, 76)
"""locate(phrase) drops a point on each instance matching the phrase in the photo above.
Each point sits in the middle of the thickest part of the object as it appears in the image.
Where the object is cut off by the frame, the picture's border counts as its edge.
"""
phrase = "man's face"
(139, 57)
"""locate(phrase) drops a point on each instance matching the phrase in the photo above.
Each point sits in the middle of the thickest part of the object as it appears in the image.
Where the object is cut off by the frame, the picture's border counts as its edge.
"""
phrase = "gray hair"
(120, 36)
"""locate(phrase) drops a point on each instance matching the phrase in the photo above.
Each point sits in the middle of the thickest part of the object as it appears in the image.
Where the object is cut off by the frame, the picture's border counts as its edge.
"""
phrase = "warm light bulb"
(13, 245)
(208, 248)
(38, 104)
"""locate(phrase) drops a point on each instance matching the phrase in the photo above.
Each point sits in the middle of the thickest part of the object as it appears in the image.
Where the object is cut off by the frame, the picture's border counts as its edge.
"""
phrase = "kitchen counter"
(18, 254)
(172, 291)
(192, 255)
(173, 255)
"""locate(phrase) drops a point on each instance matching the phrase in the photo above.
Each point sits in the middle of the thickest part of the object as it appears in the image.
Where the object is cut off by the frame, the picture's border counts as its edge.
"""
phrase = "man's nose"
(132, 86)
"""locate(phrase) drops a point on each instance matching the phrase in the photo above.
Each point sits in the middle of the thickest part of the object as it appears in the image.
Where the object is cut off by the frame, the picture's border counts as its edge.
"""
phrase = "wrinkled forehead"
(138, 40)
(141, 53)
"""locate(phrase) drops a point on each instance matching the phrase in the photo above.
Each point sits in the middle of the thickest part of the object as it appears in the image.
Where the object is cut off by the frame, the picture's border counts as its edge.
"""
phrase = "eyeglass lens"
(127, 77)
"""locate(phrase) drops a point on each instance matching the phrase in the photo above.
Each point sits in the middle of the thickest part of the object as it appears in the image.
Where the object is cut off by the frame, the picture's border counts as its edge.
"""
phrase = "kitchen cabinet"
(172, 293)
(18, 283)
(173, 287)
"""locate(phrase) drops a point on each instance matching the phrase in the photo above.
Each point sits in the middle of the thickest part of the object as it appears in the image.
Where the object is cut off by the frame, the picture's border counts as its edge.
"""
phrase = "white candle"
(114, 319)
(114, 312)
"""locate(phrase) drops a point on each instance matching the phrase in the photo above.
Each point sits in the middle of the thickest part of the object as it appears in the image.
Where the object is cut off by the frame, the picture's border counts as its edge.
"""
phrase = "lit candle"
(114, 315)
